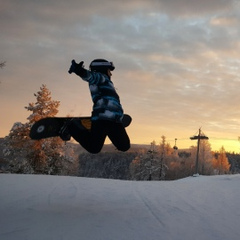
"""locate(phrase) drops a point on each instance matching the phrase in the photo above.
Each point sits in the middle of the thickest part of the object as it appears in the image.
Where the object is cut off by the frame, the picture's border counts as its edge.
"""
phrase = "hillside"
(36, 207)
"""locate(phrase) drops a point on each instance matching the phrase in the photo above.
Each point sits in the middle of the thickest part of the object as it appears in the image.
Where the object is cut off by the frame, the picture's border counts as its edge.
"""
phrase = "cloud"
(190, 8)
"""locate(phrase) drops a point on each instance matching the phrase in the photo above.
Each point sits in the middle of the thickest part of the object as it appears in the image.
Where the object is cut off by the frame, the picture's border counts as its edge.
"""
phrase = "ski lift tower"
(198, 137)
(175, 146)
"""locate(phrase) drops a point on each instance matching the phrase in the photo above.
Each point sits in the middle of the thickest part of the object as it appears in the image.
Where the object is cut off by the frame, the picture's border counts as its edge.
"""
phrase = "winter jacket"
(106, 102)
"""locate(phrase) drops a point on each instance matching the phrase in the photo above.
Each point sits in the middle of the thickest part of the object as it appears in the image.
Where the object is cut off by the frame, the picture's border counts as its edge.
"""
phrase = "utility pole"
(198, 137)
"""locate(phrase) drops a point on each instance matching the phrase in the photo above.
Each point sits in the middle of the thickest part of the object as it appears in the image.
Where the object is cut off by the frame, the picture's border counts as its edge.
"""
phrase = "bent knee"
(94, 151)
(124, 148)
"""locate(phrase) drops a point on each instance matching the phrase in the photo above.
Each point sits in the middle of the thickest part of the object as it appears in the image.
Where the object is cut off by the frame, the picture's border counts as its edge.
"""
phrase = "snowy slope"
(35, 207)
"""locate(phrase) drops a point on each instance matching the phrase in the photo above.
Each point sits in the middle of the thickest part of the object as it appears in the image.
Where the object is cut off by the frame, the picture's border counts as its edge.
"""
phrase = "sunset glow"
(177, 63)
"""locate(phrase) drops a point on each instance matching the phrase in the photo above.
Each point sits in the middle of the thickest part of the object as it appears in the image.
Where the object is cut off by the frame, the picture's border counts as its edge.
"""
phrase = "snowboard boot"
(64, 131)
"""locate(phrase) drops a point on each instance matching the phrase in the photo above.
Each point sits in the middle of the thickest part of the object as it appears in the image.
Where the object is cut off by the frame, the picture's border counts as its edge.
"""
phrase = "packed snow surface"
(37, 207)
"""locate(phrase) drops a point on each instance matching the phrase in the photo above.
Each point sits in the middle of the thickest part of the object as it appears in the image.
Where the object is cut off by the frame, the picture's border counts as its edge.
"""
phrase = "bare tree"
(2, 64)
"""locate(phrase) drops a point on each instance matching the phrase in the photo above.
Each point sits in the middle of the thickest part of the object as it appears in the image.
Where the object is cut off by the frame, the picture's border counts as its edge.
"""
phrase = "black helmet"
(101, 65)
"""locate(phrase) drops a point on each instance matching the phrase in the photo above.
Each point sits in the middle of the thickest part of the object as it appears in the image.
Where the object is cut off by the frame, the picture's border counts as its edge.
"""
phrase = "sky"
(177, 63)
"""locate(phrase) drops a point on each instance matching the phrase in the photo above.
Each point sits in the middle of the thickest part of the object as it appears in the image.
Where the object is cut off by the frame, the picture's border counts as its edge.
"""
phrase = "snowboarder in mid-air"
(107, 112)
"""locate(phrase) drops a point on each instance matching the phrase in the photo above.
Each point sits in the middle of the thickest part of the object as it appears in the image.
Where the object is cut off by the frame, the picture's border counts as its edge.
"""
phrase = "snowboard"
(50, 126)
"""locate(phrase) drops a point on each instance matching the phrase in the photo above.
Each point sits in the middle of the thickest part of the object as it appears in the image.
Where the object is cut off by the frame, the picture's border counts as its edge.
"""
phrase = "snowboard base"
(50, 127)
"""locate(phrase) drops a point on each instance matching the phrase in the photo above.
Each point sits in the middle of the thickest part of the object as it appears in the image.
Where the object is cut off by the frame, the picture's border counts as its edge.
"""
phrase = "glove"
(77, 68)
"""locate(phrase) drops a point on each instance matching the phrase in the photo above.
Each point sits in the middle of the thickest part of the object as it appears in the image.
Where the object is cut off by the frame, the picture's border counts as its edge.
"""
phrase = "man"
(107, 112)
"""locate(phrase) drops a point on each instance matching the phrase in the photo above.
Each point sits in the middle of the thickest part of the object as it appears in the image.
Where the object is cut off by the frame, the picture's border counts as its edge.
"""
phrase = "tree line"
(157, 162)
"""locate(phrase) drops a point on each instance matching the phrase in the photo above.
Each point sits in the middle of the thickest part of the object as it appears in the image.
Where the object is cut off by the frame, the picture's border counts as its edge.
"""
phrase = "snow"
(37, 207)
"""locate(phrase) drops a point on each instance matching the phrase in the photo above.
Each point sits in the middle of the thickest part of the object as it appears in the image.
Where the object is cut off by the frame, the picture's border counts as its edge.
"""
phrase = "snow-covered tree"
(205, 158)
(44, 107)
(220, 163)
(42, 156)
(151, 164)
(165, 152)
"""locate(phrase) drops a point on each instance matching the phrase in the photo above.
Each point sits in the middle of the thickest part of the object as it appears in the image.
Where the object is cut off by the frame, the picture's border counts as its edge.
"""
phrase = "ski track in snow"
(36, 207)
